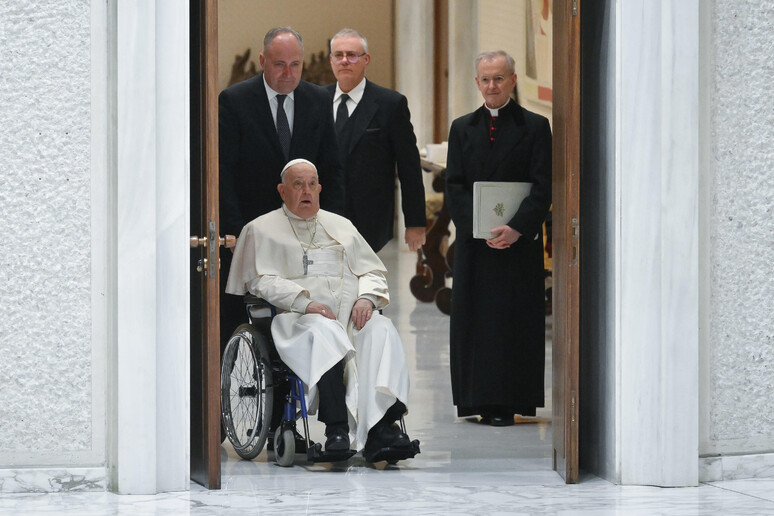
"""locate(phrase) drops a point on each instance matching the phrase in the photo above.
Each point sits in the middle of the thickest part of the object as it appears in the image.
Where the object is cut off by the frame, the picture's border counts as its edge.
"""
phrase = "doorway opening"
(422, 325)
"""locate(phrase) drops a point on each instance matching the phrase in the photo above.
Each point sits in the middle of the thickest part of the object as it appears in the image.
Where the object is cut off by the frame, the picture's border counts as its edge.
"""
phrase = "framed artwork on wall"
(537, 85)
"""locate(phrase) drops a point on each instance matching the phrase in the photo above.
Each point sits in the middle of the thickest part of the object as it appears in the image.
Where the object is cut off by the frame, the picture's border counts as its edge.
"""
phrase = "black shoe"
(387, 442)
(336, 443)
(338, 439)
(400, 439)
(386, 436)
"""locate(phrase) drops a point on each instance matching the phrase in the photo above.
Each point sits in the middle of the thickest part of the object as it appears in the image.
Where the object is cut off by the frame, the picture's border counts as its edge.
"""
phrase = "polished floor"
(464, 467)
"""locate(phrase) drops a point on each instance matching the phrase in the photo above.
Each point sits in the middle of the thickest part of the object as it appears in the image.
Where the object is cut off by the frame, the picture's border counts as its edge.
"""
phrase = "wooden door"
(205, 243)
(566, 227)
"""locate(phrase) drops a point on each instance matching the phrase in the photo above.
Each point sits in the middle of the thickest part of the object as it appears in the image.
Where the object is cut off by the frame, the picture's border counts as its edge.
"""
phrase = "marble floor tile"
(464, 467)
(762, 488)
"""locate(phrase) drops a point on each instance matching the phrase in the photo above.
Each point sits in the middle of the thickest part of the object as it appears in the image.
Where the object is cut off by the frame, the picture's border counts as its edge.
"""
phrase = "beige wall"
(503, 26)
(243, 23)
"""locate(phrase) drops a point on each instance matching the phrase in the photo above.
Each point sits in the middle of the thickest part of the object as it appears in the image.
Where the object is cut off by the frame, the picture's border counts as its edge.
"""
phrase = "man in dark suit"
(258, 136)
(264, 122)
(497, 353)
(375, 136)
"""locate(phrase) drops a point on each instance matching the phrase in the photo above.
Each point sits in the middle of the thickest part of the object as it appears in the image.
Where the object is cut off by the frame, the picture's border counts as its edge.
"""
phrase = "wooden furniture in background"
(435, 259)
(240, 70)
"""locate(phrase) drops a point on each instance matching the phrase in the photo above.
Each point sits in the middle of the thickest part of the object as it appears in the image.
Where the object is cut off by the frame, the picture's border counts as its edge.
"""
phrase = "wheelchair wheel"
(246, 391)
(284, 447)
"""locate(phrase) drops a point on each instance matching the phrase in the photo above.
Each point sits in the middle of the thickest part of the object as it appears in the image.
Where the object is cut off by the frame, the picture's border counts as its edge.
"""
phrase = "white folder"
(495, 203)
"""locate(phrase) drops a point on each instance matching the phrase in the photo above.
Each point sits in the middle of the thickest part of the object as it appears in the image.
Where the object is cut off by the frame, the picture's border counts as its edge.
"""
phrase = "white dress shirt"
(355, 96)
(289, 105)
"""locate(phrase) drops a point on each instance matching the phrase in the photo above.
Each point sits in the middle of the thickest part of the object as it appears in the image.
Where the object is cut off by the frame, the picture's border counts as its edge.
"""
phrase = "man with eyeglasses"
(375, 137)
(263, 123)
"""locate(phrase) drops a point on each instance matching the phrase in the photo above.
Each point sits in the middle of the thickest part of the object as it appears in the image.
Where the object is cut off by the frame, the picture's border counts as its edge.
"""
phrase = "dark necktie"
(342, 113)
(283, 129)
(492, 129)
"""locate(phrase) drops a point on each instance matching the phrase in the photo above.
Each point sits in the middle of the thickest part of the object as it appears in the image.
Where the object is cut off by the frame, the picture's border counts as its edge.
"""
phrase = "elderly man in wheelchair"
(328, 286)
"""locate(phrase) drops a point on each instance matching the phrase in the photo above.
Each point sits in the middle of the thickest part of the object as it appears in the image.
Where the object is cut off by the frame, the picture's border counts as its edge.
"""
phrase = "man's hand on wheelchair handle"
(318, 308)
(361, 312)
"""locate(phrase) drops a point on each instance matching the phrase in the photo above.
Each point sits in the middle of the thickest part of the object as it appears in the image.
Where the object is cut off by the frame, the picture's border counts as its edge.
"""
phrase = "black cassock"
(498, 308)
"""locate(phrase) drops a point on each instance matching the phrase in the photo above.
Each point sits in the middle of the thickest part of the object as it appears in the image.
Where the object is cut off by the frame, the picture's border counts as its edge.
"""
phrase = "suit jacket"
(377, 139)
(251, 157)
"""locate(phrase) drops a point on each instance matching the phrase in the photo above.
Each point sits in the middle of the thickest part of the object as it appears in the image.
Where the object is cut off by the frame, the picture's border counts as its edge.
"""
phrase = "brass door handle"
(211, 242)
(228, 241)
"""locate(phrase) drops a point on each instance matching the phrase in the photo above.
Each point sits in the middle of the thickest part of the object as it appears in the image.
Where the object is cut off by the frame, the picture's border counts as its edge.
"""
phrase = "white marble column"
(657, 252)
(172, 253)
(150, 393)
(413, 53)
(463, 49)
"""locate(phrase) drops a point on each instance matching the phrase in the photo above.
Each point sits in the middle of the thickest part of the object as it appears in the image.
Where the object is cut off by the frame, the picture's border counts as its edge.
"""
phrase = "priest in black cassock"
(498, 308)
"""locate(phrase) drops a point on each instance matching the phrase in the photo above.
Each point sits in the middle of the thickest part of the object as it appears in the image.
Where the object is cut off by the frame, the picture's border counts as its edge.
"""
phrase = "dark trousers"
(333, 406)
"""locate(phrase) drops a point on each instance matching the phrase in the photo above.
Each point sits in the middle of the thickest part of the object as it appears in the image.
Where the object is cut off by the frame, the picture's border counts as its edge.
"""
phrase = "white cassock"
(341, 268)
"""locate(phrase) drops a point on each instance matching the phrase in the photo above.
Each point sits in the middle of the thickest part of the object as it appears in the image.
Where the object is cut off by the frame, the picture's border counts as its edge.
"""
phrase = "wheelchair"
(253, 385)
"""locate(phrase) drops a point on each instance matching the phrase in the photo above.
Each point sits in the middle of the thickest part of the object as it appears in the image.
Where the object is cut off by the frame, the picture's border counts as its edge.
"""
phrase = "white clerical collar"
(496, 111)
(293, 216)
(270, 93)
(355, 94)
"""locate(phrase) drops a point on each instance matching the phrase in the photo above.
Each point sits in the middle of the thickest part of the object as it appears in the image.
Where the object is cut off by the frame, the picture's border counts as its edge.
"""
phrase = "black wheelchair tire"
(246, 408)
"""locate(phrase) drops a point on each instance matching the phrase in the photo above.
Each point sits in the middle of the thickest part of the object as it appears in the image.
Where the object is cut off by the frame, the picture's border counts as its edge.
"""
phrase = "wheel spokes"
(246, 394)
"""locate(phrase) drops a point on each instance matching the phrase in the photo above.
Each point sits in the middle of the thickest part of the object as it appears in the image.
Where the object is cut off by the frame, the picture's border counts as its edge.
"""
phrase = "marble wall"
(693, 230)
(639, 242)
(52, 406)
(740, 347)
(94, 187)
(149, 387)
(657, 251)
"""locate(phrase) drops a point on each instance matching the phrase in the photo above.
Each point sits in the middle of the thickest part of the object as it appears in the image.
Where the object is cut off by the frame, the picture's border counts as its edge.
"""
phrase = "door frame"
(205, 315)
(566, 238)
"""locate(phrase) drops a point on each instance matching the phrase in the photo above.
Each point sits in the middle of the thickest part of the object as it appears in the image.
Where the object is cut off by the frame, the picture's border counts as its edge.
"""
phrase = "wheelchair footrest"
(394, 454)
(316, 454)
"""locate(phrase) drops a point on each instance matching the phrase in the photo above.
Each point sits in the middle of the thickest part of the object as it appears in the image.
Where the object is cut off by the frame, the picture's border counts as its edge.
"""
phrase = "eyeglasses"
(352, 57)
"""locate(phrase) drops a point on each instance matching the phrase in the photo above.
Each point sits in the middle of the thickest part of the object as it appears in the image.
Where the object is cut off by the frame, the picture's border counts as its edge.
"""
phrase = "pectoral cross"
(307, 261)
